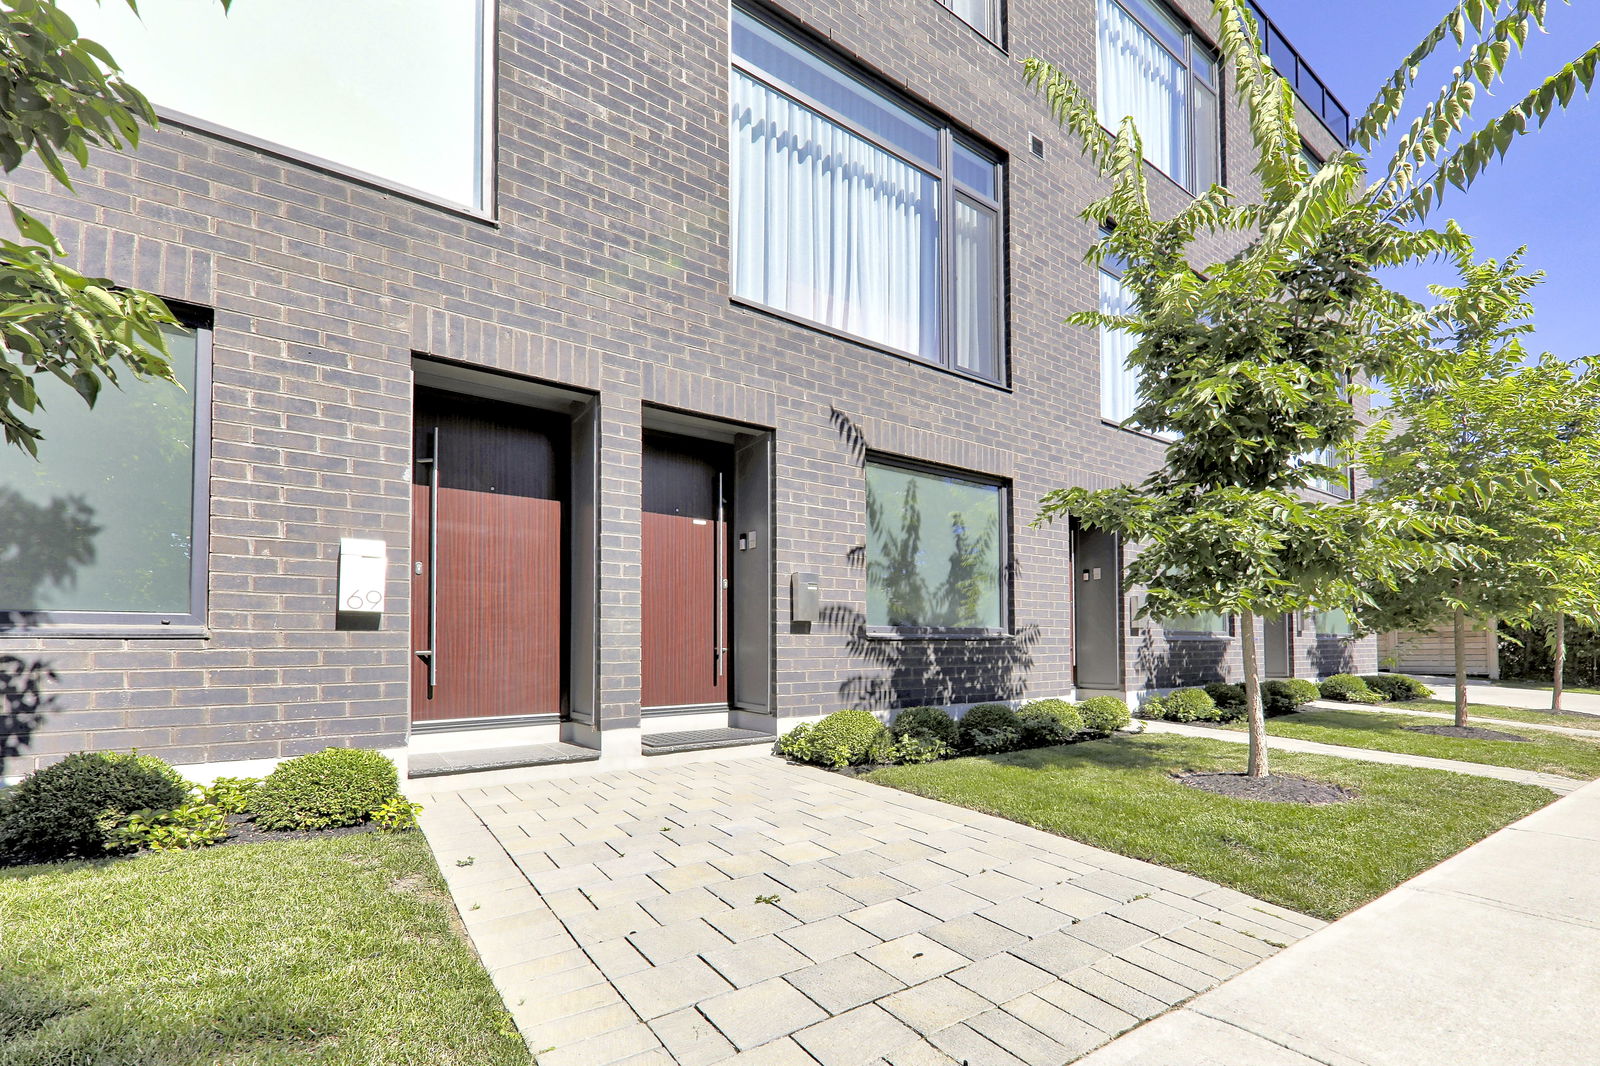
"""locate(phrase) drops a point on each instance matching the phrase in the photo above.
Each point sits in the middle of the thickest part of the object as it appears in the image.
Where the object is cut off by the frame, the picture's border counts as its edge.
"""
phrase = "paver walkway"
(1491, 958)
(1561, 786)
(762, 914)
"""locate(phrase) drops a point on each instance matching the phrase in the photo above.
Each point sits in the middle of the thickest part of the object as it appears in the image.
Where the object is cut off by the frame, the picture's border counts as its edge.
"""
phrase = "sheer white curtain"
(977, 13)
(830, 227)
(1139, 77)
(1119, 385)
(977, 273)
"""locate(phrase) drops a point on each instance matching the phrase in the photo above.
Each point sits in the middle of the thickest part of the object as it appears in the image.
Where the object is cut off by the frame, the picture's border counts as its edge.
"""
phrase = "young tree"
(1470, 435)
(1248, 363)
(63, 97)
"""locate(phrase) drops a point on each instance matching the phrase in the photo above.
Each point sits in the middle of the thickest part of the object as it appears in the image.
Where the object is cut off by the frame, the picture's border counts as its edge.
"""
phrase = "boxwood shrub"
(927, 723)
(843, 738)
(64, 811)
(1347, 688)
(1103, 715)
(333, 787)
(1227, 697)
(989, 728)
(1045, 723)
(1183, 705)
(1287, 695)
(1397, 686)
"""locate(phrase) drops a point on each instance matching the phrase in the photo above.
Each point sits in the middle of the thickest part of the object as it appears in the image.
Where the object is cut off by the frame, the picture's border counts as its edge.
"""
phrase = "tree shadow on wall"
(1181, 663)
(40, 545)
(1330, 657)
(910, 589)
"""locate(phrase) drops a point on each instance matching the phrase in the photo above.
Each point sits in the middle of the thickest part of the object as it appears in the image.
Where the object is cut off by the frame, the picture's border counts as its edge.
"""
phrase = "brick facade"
(604, 270)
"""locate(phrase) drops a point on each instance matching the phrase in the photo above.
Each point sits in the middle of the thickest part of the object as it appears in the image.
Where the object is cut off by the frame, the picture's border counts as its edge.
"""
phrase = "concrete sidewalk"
(1533, 699)
(1491, 958)
(1561, 786)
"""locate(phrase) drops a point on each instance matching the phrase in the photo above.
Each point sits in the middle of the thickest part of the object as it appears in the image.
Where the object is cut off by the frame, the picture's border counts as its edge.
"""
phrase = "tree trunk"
(1558, 656)
(1461, 666)
(1252, 698)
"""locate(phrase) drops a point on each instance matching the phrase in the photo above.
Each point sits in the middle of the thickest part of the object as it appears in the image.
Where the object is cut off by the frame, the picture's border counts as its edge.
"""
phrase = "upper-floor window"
(1154, 69)
(394, 92)
(858, 212)
(1119, 382)
(982, 15)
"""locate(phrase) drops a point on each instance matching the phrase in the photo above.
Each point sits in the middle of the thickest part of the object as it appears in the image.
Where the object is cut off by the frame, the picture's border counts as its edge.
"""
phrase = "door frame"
(580, 682)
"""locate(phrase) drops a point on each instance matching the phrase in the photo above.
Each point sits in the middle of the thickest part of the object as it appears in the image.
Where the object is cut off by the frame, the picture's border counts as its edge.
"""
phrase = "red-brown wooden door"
(487, 559)
(686, 592)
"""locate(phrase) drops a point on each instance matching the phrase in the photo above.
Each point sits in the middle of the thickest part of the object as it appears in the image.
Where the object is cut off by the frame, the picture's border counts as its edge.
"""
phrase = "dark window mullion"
(947, 252)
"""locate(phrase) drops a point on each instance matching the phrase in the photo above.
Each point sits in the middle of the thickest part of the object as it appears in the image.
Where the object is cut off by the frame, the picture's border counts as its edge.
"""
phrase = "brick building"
(659, 370)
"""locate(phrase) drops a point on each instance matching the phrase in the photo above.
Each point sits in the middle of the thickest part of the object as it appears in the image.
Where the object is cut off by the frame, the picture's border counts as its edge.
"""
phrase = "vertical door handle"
(721, 587)
(430, 654)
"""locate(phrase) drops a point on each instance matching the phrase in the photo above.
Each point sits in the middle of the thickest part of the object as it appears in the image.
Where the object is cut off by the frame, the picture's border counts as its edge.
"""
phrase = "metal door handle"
(430, 654)
(721, 623)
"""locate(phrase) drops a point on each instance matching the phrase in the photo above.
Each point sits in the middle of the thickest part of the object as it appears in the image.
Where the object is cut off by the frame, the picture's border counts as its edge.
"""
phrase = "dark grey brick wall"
(604, 270)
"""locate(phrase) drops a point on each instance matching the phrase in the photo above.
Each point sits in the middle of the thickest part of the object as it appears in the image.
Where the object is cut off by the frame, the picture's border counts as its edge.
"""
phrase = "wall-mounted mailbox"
(363, 574)
(805, 597)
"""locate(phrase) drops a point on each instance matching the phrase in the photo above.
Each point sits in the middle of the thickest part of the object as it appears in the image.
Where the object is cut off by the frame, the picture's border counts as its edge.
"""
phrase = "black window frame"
(25, 622)
(1003, 553)
(951, 189)
(997, 17)
(1189, 181)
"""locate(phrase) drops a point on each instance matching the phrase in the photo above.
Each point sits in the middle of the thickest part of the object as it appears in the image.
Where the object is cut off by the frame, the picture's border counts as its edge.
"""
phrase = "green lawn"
(1119, 794)
(342, 950)
(1549, 753)
(1509, 714)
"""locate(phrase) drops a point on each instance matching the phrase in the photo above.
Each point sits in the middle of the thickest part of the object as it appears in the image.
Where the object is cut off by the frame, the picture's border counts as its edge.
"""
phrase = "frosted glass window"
(1209, 624)
(391, 89)
(1334, 623)
(104, 522)
(935, 550)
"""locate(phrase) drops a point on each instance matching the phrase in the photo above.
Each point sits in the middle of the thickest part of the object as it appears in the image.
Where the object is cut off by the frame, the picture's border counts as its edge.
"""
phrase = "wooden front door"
(686, 592)
(488, 492)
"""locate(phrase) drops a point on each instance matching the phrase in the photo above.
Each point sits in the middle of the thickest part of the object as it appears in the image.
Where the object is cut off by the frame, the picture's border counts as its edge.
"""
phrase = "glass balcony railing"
(1310, 88)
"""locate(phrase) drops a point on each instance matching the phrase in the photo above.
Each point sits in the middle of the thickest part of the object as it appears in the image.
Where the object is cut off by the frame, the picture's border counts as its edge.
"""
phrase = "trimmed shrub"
(64, 810)
(1184, 705)
(990, 728)
(1103, 715)
(1042, 728)
(232, 794)
(1397, 686)
(324, 790)
(1227, 697)
(844, 738)
(911, 749)
(1062, 710)
(1286, 695)
(1348, 688)
(396, 815)
(928, 723)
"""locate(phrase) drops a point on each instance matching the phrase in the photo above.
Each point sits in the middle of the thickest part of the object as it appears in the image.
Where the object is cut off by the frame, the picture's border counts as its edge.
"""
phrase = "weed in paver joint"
(767, 899)
(468, 861)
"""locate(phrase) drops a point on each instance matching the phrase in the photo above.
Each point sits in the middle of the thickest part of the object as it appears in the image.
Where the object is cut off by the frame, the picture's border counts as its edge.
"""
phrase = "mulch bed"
(242, 830)
(1466, 732)
(1276, 788)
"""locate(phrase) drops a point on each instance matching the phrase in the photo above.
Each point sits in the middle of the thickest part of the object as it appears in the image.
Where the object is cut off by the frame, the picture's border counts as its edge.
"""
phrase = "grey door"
(1096, 619)
(1275, 642)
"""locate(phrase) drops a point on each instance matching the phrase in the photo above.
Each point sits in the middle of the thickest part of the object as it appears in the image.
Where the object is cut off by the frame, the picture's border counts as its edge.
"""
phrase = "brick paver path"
(761, 914)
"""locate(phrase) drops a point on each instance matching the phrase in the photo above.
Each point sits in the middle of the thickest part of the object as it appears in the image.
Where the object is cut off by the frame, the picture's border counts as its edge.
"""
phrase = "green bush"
(193, 825)
(1348, 688)
(1103, 715)
(333, 787)
(1397, 686)
(1183, 705)
(990, 728)
(911, 749)
(1287, 695)
(929, 723)
(62, 811)
(1227, 697)
(232, 794)
(844, 738)
(1061, 710)
(396, 814)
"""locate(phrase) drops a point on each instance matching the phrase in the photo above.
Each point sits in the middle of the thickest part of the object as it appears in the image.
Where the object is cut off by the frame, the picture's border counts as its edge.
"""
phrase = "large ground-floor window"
(936, 550)
(108, 525)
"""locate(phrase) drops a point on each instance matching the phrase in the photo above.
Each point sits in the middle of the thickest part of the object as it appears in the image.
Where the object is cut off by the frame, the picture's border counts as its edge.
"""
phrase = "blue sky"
(1545, 194)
